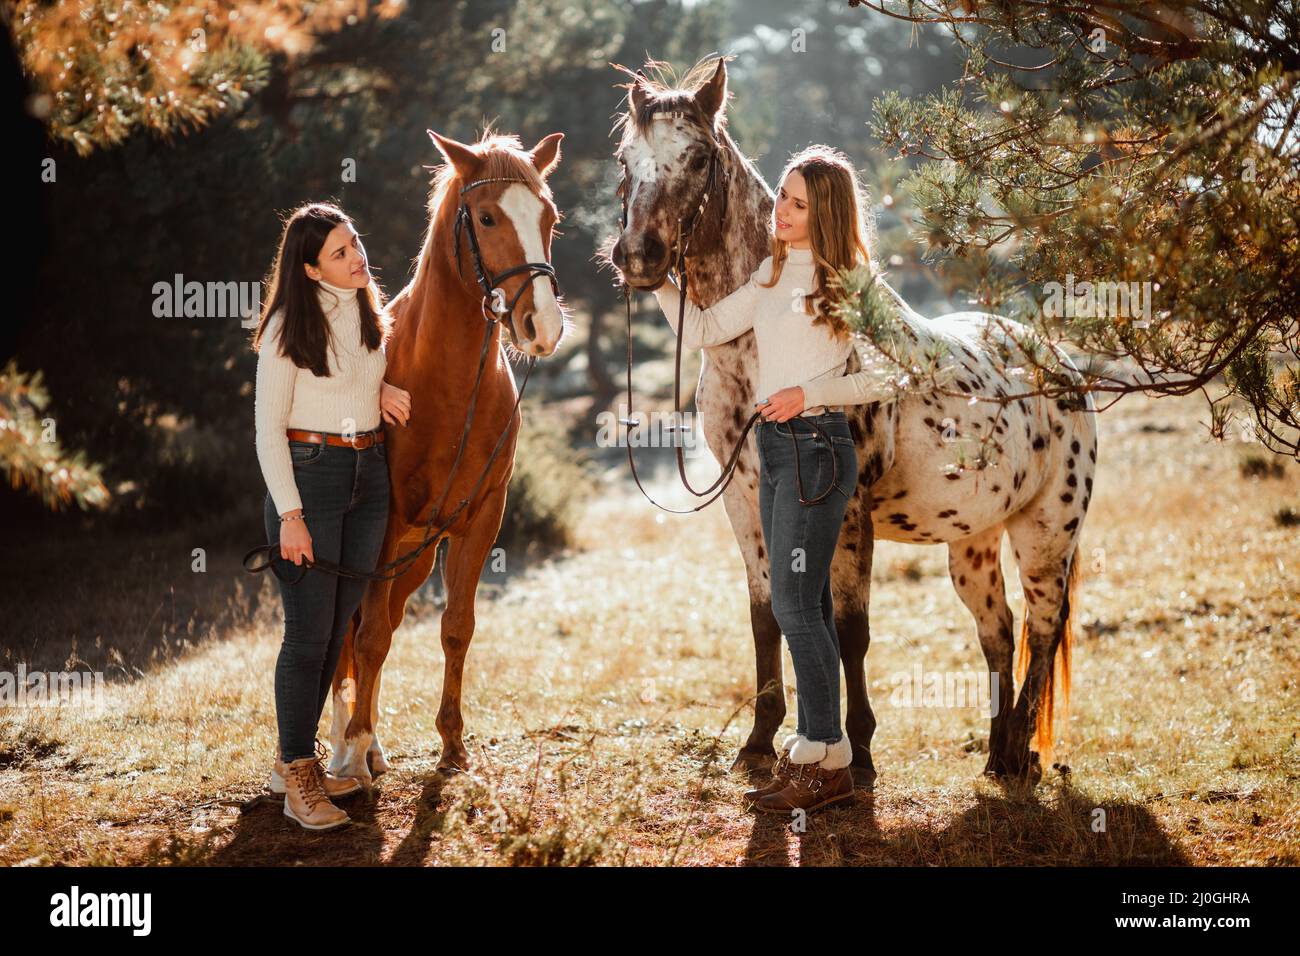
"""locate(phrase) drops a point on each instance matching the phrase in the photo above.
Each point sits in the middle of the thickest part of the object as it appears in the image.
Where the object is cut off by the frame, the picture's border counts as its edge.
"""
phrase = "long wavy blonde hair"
(838, 230)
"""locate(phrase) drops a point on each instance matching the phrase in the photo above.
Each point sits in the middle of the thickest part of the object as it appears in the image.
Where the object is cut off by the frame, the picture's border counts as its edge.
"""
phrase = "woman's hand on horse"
(295, 541)
(784, 405)
(394, 404)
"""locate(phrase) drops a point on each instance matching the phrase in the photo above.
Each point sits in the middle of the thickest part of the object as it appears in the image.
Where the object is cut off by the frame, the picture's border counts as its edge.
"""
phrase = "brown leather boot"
(810, 787)
(780, 773)
(820, 779)
(304, 796)
(332, 785)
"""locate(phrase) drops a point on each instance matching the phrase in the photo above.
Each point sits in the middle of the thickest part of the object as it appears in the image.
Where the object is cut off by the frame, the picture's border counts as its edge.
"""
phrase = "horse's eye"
(486, 219)
(699, 162)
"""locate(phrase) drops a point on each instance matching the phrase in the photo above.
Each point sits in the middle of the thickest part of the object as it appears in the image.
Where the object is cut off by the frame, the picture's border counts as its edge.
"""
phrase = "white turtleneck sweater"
(287, 396)
(791, 350)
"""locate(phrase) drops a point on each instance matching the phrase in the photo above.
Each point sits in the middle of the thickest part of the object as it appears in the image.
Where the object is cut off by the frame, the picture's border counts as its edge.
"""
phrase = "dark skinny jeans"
(344, 495)
(800, 543)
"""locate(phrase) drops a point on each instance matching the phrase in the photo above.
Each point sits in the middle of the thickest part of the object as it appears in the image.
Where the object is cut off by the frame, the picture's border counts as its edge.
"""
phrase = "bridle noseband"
(686, 227)
(491, 291)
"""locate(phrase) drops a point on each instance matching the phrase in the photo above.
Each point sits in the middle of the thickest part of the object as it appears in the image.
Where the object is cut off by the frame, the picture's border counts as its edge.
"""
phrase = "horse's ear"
(466, 161)
(712, 96)
(546, 154)
(637, 94)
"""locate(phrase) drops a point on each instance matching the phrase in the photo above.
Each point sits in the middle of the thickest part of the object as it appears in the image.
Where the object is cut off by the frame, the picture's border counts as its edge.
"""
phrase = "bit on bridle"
(490, 286)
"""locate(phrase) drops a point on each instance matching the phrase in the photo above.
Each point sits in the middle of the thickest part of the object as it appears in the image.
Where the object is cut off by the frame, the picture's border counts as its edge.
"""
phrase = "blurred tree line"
(177, 136)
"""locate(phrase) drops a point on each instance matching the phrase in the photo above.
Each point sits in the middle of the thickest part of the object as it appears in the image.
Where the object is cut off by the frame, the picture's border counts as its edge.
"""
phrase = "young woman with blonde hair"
(319, 400)
(807, 457)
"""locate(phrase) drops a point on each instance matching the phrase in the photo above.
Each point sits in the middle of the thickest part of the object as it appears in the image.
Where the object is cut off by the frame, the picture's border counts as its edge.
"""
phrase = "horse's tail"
(1058, 673)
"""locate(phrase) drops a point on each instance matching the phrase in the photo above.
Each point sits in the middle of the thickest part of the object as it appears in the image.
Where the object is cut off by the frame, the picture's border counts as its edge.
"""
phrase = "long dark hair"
(304, 334)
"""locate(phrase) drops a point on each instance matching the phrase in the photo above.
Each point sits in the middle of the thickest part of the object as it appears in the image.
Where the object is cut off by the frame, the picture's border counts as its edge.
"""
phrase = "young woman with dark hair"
(320, 406)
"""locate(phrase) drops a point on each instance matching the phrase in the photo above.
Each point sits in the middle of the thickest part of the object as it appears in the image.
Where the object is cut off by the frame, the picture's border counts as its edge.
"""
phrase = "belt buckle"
(371, 437)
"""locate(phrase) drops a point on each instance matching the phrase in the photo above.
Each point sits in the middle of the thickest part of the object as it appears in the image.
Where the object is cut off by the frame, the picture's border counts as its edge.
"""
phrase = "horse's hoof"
(994, 769)
(376, 762)
(753, 763)
(1034, 770)
(348, 768)
(864, 778)
(1026, 771)
(448, 769)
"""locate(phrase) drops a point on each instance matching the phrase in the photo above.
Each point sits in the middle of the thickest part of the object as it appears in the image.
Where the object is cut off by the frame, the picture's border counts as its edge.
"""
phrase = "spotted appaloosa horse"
(434, 354)
(1038, 493)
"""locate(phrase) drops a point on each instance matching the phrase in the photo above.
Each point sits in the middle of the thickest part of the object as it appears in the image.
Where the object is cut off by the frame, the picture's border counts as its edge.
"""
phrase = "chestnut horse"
(500, 255)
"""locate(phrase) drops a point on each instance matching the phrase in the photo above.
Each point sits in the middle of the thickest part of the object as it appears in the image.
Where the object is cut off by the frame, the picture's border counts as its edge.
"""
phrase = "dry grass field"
(607, 691)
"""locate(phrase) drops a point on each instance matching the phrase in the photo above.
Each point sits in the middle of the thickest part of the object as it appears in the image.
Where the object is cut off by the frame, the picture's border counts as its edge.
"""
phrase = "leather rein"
(681, 244)
(492, 293)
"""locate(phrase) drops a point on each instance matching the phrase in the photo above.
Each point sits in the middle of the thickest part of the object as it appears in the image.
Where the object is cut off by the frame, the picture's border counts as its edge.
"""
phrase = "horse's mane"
(668, 92)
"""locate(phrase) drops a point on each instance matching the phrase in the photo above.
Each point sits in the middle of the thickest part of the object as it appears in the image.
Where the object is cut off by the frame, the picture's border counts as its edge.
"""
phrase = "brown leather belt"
(363, 439)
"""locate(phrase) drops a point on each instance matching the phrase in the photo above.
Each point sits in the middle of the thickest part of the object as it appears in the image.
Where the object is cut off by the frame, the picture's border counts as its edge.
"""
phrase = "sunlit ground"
(598, 685)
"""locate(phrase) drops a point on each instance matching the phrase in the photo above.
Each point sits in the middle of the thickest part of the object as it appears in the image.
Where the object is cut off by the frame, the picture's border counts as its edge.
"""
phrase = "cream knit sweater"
(791, 350)
(287, 396)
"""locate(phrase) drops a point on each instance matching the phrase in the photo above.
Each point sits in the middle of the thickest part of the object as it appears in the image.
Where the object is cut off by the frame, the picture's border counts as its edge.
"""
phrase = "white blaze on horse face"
(645, 157)
(524, 210)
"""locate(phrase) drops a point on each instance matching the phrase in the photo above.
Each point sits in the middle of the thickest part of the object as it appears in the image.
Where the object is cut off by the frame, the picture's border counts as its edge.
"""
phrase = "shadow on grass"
(264, 836)
(123, 602)
(1007, 826)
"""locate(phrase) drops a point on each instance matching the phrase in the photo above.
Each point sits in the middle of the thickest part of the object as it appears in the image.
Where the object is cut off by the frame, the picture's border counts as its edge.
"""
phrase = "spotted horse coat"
(1037, 492)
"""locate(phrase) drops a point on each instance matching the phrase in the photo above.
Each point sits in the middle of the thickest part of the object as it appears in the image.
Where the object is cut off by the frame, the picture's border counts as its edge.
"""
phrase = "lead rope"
(729, 469)
(406, 560)
(489, 286)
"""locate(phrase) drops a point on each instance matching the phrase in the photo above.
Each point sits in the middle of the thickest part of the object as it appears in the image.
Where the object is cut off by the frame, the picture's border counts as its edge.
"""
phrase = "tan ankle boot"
(333, 786)
(305, 801)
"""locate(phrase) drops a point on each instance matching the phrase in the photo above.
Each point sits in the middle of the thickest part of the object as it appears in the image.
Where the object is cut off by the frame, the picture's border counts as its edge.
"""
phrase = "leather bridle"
(493, 294)
(686, 228)
(491, 285)
(681, 244)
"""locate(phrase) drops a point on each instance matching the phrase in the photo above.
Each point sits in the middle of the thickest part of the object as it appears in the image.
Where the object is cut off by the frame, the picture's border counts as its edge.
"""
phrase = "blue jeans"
(800, 542)
(344, 495)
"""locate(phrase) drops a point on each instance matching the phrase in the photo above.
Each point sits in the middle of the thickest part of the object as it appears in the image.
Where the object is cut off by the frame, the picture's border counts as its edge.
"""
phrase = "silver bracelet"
(297, 517)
